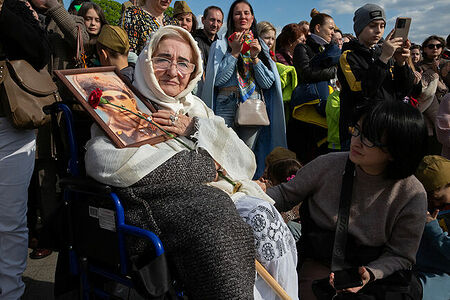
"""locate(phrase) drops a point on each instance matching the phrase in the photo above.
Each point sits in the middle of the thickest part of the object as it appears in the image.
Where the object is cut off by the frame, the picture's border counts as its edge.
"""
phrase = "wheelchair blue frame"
(121, 227)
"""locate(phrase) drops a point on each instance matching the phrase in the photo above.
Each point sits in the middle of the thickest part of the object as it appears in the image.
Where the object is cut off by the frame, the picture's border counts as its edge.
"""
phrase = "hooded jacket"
(365, 78)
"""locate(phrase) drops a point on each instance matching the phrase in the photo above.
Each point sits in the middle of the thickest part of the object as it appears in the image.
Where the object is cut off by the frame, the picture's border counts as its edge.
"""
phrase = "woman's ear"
(317, 28)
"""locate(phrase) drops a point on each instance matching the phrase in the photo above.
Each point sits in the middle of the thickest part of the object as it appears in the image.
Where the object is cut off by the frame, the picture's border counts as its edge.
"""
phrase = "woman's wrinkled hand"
(178, 124)
(365, 278)
(219, 169)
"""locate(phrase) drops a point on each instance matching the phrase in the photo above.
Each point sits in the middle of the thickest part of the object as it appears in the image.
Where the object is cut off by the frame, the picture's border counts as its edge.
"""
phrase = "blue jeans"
(17, 153)
(226, 106)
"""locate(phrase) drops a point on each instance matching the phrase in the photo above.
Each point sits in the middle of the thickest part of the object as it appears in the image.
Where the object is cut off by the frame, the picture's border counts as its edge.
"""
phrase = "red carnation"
(95, 98)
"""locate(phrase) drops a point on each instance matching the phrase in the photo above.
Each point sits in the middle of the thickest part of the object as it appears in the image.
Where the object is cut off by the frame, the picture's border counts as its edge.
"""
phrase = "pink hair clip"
(290, 177)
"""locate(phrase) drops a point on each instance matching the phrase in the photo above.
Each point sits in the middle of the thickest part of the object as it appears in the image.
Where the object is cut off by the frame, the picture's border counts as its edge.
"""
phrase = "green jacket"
(288, 78)
(332, 111)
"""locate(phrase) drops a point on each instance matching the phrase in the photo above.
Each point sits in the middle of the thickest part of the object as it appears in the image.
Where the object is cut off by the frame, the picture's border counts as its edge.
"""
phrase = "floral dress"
(139, 25)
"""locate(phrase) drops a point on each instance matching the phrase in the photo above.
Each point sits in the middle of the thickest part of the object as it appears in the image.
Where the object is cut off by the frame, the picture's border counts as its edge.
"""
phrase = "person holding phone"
(369, 71)
(240, 68)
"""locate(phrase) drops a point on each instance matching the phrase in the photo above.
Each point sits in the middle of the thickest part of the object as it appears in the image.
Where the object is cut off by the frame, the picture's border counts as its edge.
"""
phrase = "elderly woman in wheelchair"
(177, 193)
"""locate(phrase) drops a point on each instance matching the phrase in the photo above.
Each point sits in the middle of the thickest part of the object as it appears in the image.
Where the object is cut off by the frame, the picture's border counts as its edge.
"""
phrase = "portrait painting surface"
(130, 129)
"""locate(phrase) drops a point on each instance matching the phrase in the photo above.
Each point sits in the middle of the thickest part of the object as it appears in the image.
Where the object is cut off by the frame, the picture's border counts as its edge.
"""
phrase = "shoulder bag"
(400, 285)
(80, 58)
(24, 92)
(252, 112)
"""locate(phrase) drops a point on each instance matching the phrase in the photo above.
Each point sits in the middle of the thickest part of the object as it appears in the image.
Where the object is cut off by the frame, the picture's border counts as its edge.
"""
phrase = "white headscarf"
(145, 79)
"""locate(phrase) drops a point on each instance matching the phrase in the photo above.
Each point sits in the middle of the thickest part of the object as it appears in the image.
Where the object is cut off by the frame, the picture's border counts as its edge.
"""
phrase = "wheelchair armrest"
(84, 185)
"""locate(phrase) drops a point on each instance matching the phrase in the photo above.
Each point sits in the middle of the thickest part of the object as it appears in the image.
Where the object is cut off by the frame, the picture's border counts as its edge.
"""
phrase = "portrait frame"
(73, 80)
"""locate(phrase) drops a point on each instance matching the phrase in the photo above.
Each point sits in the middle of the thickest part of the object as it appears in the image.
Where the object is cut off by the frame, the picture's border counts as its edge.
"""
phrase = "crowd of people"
(313, 151)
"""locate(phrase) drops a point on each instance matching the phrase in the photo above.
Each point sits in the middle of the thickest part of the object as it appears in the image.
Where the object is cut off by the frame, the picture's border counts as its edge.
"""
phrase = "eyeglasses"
(356, 131)
(183, 67)
(433, 46)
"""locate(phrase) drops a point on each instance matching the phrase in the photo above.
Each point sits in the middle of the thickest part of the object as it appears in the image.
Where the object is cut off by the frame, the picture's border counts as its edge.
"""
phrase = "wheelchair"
(95, 234)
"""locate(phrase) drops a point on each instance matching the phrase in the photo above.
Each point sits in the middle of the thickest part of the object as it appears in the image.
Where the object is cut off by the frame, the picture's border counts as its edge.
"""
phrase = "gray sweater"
(383, 212)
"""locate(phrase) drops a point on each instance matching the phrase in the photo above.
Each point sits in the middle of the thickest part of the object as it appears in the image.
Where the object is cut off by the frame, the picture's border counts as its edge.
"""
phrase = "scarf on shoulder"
(246, 83)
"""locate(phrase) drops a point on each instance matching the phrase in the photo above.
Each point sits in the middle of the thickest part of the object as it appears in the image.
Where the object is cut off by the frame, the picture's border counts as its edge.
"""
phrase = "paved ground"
(39, 277)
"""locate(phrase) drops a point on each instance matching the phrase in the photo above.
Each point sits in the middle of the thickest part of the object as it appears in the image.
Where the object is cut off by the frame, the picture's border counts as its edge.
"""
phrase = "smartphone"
(402, 28)
(347, 278)
(245, 45)
(231, 37)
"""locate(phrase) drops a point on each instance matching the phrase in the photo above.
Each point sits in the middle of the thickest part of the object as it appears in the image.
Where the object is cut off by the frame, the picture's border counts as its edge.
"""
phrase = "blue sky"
(428, 16)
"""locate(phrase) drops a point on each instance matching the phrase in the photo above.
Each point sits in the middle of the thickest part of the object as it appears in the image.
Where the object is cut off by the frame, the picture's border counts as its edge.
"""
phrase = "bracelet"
(253, 58)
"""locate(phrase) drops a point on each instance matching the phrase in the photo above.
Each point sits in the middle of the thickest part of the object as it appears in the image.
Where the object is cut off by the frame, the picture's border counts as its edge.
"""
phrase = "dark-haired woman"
(316, 64)
(94, 19)
(416, 55)
(21, 38)
(242, 69)
(433, 69)
(388, 204)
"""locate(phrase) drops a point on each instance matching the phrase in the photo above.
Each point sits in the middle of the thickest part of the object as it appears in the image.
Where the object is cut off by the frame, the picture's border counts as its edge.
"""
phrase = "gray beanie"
(366, 14)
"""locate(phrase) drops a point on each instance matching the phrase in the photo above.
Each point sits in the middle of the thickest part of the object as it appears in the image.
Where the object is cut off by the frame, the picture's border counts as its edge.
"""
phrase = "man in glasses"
(370, 71)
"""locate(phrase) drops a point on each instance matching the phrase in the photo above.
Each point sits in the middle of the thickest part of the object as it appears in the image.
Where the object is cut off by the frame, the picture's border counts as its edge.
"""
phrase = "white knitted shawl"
(126, 166)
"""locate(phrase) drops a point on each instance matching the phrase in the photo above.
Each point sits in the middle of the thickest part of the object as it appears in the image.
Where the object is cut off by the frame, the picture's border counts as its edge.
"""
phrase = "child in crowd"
(268, 33)
(368, 71)
(113, 48)
(433, 257)
(281, 166)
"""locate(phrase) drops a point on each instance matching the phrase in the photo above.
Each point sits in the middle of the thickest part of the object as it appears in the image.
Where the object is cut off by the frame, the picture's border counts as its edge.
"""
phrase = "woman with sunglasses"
(434, 70)
(388, 204)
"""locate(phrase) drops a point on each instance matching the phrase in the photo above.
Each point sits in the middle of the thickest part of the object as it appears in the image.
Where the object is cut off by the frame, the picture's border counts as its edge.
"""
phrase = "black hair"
(231, 29)
(206, 11)
(281, 170)
(72, 9)
(448, 41)
(90, 5)
(401, 129)
(317, 19)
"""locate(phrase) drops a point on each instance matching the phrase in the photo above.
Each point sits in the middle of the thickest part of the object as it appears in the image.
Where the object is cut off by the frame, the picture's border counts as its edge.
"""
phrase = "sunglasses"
(433, 46)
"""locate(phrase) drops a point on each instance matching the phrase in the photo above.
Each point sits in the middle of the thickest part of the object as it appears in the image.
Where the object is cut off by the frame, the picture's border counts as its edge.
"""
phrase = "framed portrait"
(124, 128)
